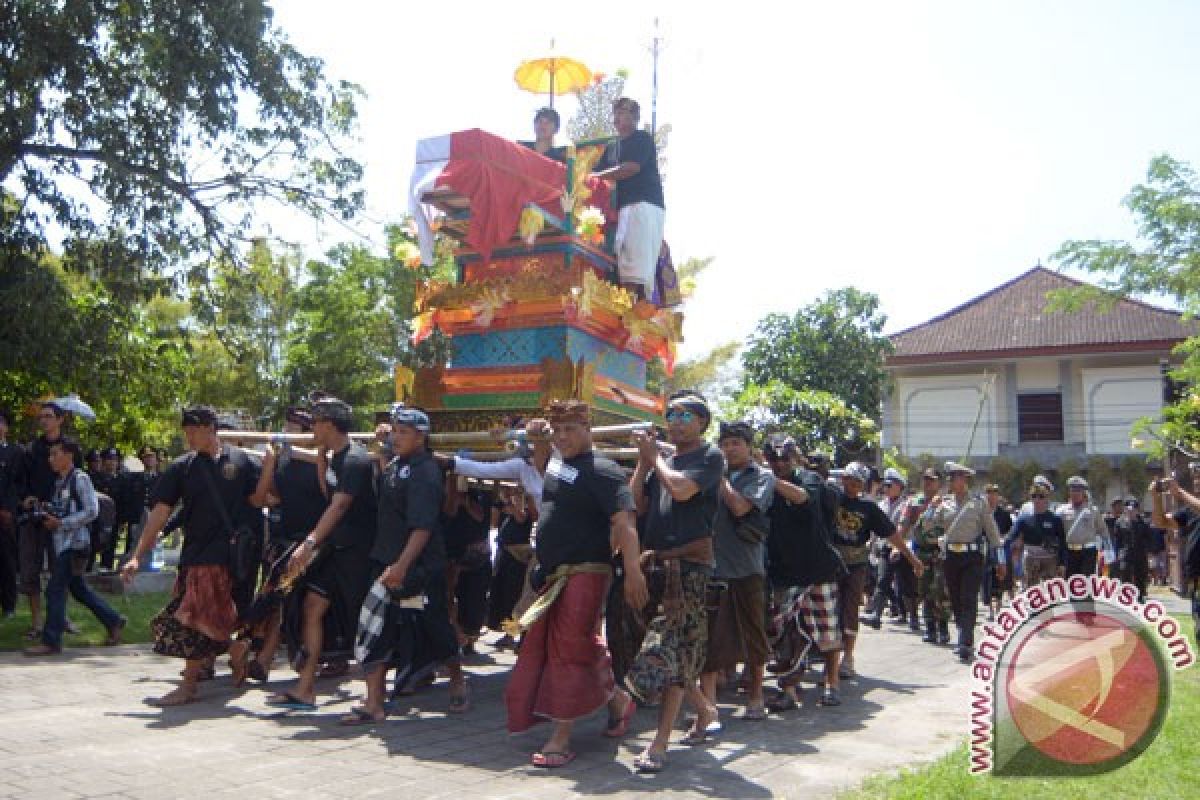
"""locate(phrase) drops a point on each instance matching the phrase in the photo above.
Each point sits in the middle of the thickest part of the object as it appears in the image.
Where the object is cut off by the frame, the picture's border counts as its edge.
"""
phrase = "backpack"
(100, 530)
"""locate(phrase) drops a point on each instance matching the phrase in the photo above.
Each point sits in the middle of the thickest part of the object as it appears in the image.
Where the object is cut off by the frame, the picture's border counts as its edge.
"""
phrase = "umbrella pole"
(552, 88)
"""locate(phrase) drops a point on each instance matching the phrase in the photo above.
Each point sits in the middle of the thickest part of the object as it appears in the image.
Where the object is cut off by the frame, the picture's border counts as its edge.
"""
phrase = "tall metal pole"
(654, 91)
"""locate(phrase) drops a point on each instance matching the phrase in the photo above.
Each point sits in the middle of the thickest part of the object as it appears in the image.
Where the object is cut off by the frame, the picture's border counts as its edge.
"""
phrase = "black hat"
(111, 452)
(779, 447)
(736, 430)
(412, 417)
(299, 416)
(199, 415)
(93, 454)
(332, 409)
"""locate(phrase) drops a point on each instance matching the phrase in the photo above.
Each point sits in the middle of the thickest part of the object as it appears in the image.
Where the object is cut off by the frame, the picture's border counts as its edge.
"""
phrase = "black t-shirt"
(670, 524)
(557, 153)
(1044, 529)
(352, 473)
(799, 550)
(1132, 538)
(301, 503)
(579, 498)
(411, 492)
(856, 519)
(1189, 528)
(646, 185)
(510, 531)
(463, 529)
(12, 476)
(39, 478)
(1004, 521)
(205, 534)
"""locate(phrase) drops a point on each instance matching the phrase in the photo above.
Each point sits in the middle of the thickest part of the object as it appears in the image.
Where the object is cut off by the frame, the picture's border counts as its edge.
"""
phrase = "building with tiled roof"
(1001, 376)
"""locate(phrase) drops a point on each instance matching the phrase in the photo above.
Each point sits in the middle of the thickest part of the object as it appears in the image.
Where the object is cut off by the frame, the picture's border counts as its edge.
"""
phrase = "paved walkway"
(77, 726)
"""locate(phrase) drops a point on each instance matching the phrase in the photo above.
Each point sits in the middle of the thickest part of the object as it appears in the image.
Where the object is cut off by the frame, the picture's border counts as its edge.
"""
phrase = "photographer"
(1131, 541)
(1186, 521)
(65, 521)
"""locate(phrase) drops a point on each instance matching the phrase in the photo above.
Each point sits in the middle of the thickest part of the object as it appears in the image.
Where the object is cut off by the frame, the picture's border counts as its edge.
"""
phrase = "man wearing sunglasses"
(1041, 535)
(679, 497)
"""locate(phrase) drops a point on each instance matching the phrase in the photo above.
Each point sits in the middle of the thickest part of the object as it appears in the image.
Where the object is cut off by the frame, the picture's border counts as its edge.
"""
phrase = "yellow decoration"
(404, 383)
(530, 225)
(487, 304)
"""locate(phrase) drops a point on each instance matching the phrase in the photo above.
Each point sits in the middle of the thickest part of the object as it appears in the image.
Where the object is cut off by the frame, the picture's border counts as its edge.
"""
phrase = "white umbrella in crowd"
(72, 404)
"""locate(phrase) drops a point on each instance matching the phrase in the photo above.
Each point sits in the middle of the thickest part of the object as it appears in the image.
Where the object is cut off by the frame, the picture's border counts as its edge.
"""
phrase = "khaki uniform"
(964, 551)
(1086, 532)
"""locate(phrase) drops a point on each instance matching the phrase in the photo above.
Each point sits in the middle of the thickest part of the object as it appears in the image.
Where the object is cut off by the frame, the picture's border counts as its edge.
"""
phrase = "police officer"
(967, 520)
(893, 568)
(931, 586)
(1085, 527)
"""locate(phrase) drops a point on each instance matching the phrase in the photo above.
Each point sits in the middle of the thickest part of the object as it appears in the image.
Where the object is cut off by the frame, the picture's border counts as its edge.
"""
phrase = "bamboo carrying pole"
(496, 438)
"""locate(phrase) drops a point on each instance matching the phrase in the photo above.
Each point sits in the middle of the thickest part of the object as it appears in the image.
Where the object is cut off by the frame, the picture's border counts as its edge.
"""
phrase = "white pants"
(637, 243)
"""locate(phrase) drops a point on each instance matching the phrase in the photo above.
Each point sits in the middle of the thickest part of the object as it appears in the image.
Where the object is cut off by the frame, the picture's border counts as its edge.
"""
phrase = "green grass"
(139, 608)
(1170, 767)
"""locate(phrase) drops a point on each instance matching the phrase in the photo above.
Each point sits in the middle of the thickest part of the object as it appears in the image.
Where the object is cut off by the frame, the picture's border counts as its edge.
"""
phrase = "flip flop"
(650, 762)
(784, 702)
(551, 759)
(622, 725)
(694, 739)
(360, 716)
(290, 702)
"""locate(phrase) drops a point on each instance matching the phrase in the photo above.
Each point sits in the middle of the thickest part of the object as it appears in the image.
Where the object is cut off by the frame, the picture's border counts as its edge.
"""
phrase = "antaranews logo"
(1073, 678)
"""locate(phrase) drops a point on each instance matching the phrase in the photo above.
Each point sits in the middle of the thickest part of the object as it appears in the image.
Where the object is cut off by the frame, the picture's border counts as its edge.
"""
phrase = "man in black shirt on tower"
(632, 161)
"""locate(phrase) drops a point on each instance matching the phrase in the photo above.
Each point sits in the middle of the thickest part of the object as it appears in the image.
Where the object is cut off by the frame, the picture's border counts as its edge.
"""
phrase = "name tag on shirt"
(564, 472)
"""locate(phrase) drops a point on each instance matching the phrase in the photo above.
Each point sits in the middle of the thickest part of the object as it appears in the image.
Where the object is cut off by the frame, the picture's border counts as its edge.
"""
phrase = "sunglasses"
(1039, 496)
(680, 416)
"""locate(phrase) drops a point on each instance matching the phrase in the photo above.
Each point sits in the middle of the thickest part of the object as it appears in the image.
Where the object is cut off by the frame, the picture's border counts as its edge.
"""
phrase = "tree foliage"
(1165, 261)
(834, 345)
(159, 124)
(816, 419)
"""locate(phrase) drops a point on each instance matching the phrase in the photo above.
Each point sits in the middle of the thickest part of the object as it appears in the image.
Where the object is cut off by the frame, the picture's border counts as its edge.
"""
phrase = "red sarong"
(563, 670)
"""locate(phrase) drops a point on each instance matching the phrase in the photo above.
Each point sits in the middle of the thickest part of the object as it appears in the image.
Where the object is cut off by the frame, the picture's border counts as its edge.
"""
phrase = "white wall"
(1115, 397)
(934, 414)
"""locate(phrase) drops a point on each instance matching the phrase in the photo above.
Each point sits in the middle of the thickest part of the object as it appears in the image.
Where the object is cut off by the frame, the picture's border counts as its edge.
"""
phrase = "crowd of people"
(704, 565)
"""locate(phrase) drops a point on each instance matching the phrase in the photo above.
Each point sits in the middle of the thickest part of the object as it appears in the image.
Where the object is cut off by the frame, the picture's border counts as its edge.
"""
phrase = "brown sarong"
(200, 619)
(737, 632)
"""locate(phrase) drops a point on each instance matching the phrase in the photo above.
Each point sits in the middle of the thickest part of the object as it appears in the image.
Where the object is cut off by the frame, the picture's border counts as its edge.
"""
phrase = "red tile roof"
(1011, 319)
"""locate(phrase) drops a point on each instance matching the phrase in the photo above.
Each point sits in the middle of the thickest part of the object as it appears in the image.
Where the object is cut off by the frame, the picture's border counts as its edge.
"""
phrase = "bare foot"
(237, 661)
(181, 696)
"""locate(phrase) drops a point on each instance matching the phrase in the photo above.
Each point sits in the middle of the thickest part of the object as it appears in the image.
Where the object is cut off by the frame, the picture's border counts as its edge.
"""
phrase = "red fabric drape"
(500, 177)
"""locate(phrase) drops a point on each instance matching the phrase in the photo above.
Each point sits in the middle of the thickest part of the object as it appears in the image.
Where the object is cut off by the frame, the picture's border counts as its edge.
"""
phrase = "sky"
(925, 151)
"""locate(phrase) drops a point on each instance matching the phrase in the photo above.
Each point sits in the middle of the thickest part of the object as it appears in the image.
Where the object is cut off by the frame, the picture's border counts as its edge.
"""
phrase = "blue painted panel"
(528, 346)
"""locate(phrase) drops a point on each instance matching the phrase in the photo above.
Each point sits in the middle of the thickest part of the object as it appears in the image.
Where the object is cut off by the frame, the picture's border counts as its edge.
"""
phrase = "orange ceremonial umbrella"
(554, 74)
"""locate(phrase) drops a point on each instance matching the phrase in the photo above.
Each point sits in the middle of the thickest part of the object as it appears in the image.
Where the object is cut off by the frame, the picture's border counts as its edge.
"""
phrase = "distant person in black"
(198, 622)
(468, 573)
(298, 498)
(1132, 540)
(632, 162)
(545, 128)
(563, 671)
(12, 479)
(33, 546)
(334, 556)
(1184, 521)
(409, 629)
(804, 569)
(513, 554)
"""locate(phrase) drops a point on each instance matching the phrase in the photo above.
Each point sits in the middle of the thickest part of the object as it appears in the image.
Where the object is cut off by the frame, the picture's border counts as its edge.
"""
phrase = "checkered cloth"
(371, 620)
(804, 616)
(817, 610)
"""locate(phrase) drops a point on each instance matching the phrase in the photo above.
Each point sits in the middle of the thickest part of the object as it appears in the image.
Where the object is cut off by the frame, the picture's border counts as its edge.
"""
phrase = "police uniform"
(1086, 531)
(931, 585)
(965, 523)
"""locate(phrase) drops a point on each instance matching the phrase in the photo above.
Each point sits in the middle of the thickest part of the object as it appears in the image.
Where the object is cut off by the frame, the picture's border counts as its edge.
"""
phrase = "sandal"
(256, 671)
(360, 716)
(695, 738)
(290, 702)
(784, 702)
(650, 762)
(616, 729)
(754, 714)
(551, 759)
(460, 702)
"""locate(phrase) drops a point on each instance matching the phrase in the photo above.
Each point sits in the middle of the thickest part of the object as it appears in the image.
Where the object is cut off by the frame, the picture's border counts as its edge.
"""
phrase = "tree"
(817, 420)
(1166, 261)
(160, 123)
(834, 344)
